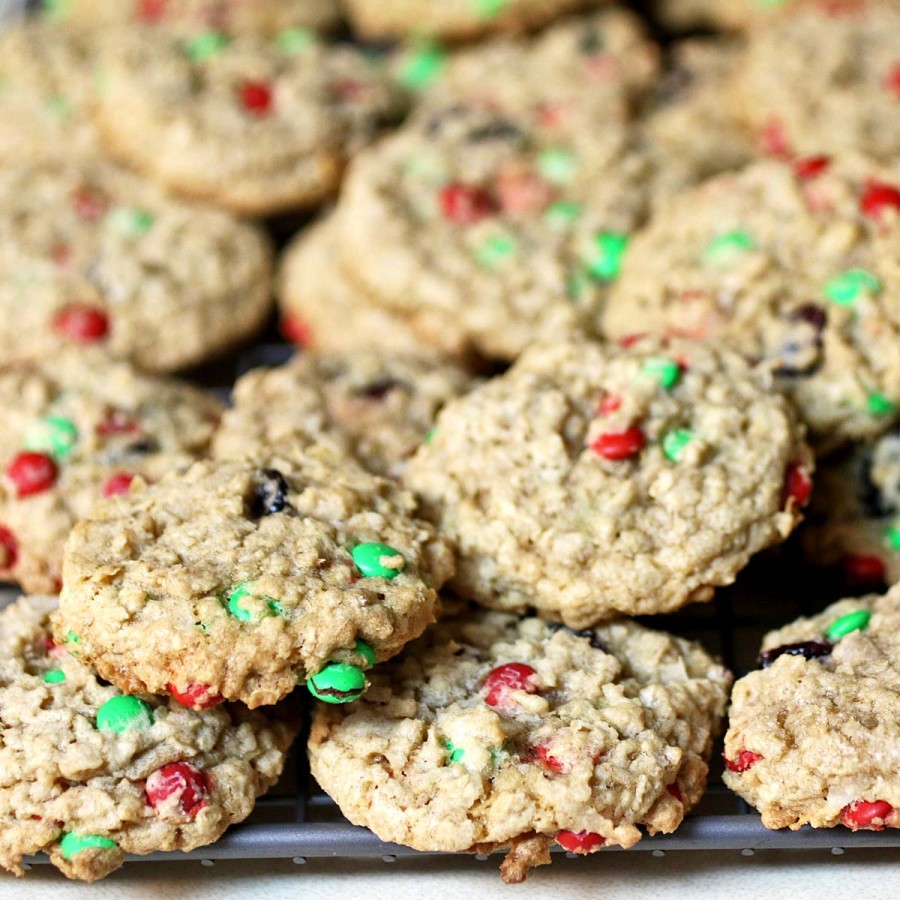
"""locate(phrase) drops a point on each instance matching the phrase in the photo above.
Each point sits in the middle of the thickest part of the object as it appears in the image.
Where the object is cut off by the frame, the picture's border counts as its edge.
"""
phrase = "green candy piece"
(72, 843)
(610, 247)
(855, 621)
(429, 435)
(294, 41)
(489, 9)
(496, 250)
(675, 442)
(454, 753)
(725, 248)
(562, 213)
(206, 45)
(131, 222)
(893, 537)
(368, 558)
(557, 166)
(60, 105)
(879, 406)
(366, 652)
(338, 683)
(422, 67)
(56, 9)
(54, 435)
(122, 713)
(241, 592)
(666, 370)
(577, 284)
(72, 638)
(848, 287)
(54, 676)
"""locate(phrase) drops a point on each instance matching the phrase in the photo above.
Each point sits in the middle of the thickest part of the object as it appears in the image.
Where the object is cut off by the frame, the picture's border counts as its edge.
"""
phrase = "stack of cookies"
(593, 301)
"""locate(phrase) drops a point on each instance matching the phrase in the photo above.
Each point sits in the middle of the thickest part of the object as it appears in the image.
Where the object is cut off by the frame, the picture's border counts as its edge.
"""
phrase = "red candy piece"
(117, 423)
(521, 193)
(510, 677)
(296, 331)
(620, 444)
(196, 696)
(745, 760)
(864, 570)
(675, 791)
(811, 167)
(81, 323)
(629, 340)
(865, 814)
(878, 197)
(549, 761)
(465, 204)
(256, 98)
(178, 784)
(9, 549)
(774, 140)
(118, 484)
(892, 82)
(90, 204)
(581, 842)
(31, 473)
(150, 10)
(609, 404)
(797, 484)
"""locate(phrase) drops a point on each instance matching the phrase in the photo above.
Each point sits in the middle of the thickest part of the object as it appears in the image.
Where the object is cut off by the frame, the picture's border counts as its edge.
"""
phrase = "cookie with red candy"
(252, 123)
(813, 733)
(91, 255)
(592, 479)
(91, 774)
(795, 265)
(493, 732)
(79, 427)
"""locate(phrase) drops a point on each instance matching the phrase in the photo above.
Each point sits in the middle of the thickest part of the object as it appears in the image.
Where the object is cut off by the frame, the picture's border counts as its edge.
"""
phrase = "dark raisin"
(587, 634)
(813, 314)
(269, 494)
(870, 496)
(143, 446)
(377, 390)
(500, 129)
(806, 649)
(591, 42)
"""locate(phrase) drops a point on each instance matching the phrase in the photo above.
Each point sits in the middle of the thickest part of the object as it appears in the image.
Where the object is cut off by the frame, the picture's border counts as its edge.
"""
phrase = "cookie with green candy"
(813, 732)
(377, 405)
(304, 566)
(492, 732)
(592, 480)
(455, 19)
(794, 264)
(80, 427)
(90, 774)
(253, 123)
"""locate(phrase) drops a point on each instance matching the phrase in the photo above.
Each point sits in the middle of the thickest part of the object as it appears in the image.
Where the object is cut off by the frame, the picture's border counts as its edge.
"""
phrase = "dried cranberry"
(806, 649)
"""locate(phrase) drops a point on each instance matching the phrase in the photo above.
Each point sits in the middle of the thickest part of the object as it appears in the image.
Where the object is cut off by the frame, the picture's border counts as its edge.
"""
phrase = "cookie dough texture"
(733, 15)
(455, 19)
(255, 558)
(855, 510)
(240, 16)
(96, 420)
(613, 733)
(324, 310)
(257, 125)
(822, 733)
(375, 405)
(530, 475)
(46, 90)
(161, 282)
(60, 774)
(794, 264)
(824, 79)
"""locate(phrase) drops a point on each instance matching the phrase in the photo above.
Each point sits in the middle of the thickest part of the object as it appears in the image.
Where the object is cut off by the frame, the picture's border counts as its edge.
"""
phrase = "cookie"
(374, 404)
(309, 569)
(241, 16)
(455, 19)
(683, 15)
(812, 734)
(854, 516)
(79, 427)
(825, 79)
(46, 89)
(89, 775)
(591, 480)
(92, 255)
(794, 264)
(494, 732)
(323, 310)
(257, 125)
